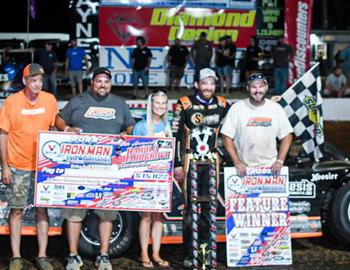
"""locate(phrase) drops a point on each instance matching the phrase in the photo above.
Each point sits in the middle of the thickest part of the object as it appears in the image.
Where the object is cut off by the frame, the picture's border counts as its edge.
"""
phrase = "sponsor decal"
(100, 113)
(320, 177)
(33, 111)
(197, 118)
(259, 122)
(299, 207)
(302, 189)
(51, 150)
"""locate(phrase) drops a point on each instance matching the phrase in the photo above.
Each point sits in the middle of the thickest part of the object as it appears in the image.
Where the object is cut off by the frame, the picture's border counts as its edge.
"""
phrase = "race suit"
(195, 126)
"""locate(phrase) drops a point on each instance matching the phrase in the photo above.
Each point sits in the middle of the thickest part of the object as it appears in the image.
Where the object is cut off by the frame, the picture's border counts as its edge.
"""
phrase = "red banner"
(118, 26)
(297, 30)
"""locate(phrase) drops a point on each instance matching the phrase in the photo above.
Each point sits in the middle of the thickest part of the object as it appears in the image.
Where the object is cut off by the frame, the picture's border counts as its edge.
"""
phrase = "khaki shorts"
(21, 190)
(77, 215)
(75, 77)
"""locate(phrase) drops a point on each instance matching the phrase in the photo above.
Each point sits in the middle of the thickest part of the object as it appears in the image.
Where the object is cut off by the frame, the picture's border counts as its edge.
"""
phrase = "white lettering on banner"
(329, 176)
(33, 111)
(260, 220)
(301, 38)
(83, 28)
(258, 204)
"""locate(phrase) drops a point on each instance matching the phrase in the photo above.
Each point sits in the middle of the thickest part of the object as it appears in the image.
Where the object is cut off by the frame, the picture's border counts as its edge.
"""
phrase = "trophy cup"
(203, 256)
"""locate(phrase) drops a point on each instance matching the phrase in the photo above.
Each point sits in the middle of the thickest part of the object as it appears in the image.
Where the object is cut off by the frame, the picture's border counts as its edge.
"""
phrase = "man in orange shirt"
(22, 116)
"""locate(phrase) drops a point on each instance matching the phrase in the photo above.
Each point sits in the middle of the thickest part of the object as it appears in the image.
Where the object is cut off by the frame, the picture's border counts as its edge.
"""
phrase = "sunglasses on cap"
(256, 76)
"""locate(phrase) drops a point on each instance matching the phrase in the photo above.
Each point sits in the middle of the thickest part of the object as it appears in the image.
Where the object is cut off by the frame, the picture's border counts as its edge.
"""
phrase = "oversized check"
(104, 171)
(257, 217)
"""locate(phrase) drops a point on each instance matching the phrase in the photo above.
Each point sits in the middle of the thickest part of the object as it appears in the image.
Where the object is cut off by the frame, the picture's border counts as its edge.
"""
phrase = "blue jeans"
(50, 83)
(140, 74)
(281, 77)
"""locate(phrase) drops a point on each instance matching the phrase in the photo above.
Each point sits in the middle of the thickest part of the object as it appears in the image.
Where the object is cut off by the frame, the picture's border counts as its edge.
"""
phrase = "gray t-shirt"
(108, 115)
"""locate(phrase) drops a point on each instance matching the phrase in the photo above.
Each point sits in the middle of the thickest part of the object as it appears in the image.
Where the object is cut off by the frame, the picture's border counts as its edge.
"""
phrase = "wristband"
(280, 161)
(66, 128)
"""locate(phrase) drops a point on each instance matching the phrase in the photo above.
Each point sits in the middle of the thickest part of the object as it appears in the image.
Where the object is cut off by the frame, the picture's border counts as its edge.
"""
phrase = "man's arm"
(62, 126)
(86, 62)
(232, 151)
(66, 65)
(129, 129)
(6, 175)
(282, 154)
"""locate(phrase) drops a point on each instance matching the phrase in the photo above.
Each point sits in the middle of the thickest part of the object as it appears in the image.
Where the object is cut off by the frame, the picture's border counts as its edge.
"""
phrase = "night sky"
(52, 16)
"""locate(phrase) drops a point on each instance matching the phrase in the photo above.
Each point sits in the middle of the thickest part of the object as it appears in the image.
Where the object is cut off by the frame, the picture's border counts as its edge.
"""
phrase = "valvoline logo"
(51, 150)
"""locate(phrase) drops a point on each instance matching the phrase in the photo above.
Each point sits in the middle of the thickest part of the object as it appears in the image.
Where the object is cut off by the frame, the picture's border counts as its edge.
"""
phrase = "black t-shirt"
(252, 52)
(141, 56)
(47, 59)
(178, 55)
(226, 56)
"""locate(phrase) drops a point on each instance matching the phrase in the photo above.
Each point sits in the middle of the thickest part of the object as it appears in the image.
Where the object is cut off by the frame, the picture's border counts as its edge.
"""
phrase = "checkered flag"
(302, 103)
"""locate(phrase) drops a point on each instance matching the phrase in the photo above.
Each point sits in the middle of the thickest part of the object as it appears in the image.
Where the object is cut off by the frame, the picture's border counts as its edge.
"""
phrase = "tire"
(339, 216)
(123, 236)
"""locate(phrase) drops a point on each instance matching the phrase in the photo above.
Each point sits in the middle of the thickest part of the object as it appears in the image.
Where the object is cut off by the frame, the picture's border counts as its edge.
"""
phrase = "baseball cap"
(257, 76)
(207, 72)
(102, 70)
(33, 70)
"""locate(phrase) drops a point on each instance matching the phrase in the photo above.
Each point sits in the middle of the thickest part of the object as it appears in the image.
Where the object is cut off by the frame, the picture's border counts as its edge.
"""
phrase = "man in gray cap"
(198, 117)
(23, 114)
(96, 111)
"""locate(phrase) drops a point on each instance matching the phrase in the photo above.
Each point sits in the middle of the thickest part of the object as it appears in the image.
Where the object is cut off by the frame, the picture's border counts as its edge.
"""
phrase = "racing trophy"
(204, 254)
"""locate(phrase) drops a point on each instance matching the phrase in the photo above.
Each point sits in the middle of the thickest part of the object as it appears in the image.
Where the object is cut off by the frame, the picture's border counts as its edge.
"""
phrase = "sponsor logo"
(234, 182)
(100, 113)
(72, 202)
(259, 122)
(33, 111)
(212, 119)
(299, 207)
(302, 189)
(318, 176)
(197, 119)
(58, 187)
(51, 150)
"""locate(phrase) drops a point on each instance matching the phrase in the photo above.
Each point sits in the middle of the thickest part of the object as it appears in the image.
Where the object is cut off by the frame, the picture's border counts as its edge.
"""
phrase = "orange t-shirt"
(22, 121)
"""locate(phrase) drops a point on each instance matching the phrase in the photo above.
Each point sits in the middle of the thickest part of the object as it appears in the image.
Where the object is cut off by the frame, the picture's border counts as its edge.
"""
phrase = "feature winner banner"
(104, 172)
(297, 31)
(257, 217)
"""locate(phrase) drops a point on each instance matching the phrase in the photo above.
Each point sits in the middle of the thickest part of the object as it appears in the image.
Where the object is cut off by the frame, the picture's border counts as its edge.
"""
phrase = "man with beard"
(197, 120)
(95, 111)
(250, 130)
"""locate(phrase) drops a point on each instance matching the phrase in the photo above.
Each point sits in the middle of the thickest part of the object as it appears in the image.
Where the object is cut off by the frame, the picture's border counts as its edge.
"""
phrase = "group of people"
(75, 65)
(337, 82)
(249, 129)
(200, 55)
